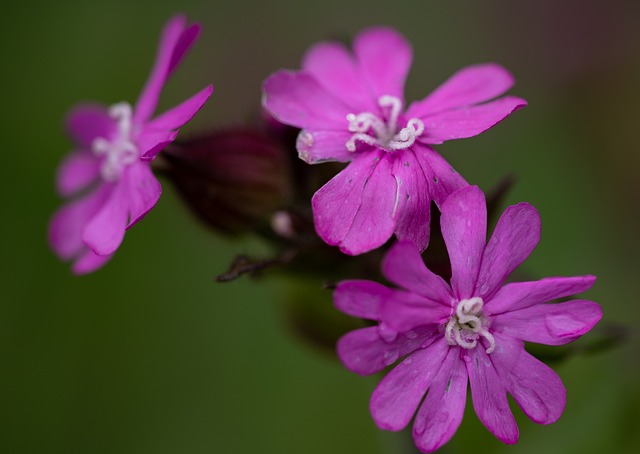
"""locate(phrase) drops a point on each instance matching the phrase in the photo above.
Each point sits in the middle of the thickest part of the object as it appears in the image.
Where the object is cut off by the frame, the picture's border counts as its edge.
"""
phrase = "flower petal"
(77, 171)
(86, 122)
(468, 121)
(550, 324)
(398, 395)
(520, 295)
(333, 66)
(105, 231)
(515, 237)
(375, 220)
(414, 200)
(364, 351)
(89, 262)
(177, 116)
(361, 298)
(536, 387)
(153, 141)
(65, 228)
(355, 210)
(444, 180)
(489, 396)
(404, 311)
(143, 191)
(464, 228)
(469, 86)
(385, 58)
(175, 41)
(403, 266)
(297, 99)
(441, 412)
(319, 146)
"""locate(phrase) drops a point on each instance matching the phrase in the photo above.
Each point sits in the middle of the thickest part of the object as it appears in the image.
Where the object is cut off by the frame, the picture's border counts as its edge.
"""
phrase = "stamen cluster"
(120, 151)
(372, 130)
(467, 325)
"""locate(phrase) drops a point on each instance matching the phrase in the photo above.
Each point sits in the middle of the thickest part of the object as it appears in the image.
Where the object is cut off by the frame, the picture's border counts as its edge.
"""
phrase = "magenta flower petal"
(414, 202)
(468, 121)
(78, 170)
(445, 180)
(364, 351)
(398, 395)
(514, 238)
(153, 141)
(361, 298)
(385, 58)
(333, 66)
(356, 208)
(89, 262)
(469, 86)
(520, 295)
(536, 388)
(441, 412)
(105, 231)
(550, 324)
(188, 37)
(175, 41)
(405, 311)
(177, 116)
(322, 146)
(489, 397)
(374, 221)
(403, 266)
(297, 99)
(464, 228)
(67, 224)
(85, 122)
(144, 191)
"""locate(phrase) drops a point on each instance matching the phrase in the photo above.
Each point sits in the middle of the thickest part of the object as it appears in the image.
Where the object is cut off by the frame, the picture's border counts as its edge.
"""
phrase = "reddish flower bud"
(233, 180)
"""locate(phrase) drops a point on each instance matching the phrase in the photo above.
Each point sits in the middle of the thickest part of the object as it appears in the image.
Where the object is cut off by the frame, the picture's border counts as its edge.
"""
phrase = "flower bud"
(233, 180)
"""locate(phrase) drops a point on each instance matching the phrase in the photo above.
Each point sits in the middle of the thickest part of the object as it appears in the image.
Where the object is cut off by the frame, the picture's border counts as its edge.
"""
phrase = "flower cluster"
(348, 107)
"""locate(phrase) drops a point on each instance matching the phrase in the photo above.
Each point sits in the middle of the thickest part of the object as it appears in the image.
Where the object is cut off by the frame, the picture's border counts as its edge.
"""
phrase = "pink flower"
(350, 109)
(108, 175)
(471, 331)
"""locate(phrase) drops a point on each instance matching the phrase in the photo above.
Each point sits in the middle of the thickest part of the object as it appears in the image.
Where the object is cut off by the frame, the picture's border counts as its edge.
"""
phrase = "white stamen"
(372, 130)
(120, 151)
(467, 325)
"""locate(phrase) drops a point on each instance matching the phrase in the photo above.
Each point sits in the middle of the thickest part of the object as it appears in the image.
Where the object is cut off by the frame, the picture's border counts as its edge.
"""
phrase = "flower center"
(465, 327)
(373, 130)
(120, 151)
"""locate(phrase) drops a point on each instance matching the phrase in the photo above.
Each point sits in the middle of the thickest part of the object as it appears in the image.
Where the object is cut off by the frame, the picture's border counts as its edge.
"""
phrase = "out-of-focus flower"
(350, 109)
(108, 175)
(470, 331)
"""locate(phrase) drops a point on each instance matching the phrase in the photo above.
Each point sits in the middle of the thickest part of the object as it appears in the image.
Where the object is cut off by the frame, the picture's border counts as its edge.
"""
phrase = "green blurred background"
(150, 355)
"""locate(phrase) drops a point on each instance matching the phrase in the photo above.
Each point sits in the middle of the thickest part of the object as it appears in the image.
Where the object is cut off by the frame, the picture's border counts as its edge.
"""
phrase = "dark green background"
(149, 355)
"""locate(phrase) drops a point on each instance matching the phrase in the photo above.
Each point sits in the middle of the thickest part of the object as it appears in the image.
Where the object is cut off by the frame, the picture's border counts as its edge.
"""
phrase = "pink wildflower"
(473, 330)
(350, 109)
(109, 173)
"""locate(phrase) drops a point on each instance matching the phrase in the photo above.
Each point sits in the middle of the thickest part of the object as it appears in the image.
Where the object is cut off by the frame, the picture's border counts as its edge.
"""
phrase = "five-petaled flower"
(350, 109)
(470, 331)
(109, 172)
